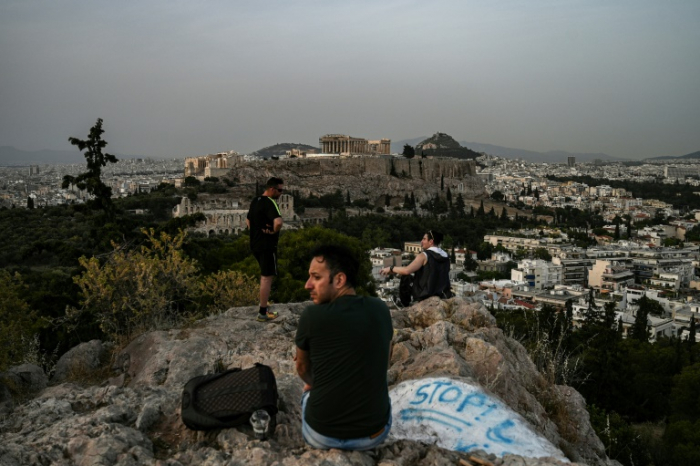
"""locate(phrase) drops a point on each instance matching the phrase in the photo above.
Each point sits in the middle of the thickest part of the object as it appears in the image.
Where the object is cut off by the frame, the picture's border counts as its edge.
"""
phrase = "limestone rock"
(134, 417)
(79, 361)
(18, 382)
(28, 378)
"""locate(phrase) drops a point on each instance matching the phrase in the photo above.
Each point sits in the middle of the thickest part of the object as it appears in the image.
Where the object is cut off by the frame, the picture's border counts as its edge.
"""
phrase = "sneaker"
(267, 317)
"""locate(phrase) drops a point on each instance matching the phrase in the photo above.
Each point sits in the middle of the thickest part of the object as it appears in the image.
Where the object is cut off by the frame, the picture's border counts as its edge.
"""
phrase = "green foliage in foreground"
(293, 261)
(634, 389)
(155, 285)
(17, 321)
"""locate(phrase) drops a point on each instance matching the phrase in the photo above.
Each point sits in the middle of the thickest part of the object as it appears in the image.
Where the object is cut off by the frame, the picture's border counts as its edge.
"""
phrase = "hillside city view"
(350, 233)
(599, 259)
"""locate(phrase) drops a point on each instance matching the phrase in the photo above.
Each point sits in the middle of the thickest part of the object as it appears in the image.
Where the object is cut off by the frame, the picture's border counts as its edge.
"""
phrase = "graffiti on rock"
(459, 416)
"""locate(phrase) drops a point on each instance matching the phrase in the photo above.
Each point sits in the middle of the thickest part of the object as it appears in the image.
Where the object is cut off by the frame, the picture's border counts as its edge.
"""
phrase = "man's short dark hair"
(273, 182)
(338, 259)
(435, 235)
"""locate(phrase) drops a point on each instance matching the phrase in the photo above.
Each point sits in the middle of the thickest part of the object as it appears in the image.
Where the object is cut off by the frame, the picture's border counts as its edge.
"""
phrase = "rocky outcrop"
(83, 359)
(369, 177)
(444, 145)
(133, 417)
(20, 382)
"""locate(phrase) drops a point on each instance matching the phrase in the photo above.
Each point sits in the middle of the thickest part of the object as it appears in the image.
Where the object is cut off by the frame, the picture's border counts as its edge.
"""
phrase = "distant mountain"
(444, 145)
(555, 156)
(281, 149)
(692, 155)
(10, 156)
(510, 153)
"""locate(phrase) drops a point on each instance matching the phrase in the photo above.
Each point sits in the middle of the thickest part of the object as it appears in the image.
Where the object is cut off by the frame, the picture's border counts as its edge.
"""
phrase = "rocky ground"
(127, 411)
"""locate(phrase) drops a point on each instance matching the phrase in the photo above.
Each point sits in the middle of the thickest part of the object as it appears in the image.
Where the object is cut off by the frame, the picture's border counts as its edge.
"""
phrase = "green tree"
(156, 285)
(692, 331)
(622, 442)
(294, 259)
(651, 306)
(685, 395)
(481, 212)
(459, 205)
(408, 151)
(333, 201)
(542, 253)
(91, 180)
(30, 202)
(497, 196)
(17, 321)
(191, 182)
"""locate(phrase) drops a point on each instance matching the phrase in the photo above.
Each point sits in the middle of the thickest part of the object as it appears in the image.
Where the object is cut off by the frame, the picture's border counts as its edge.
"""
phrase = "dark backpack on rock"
(228, 399)
(406, 289)
(433, 279)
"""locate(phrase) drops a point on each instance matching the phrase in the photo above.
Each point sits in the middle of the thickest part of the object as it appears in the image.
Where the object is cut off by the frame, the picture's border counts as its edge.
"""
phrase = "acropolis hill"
(362, 177)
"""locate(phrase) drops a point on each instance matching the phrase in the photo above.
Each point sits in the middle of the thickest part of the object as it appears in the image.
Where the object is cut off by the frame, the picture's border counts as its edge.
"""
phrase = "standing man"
(264, 221)
(343, 351)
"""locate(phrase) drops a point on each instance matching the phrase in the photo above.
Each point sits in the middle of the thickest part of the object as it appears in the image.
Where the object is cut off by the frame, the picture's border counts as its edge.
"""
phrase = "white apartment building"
(537, 273)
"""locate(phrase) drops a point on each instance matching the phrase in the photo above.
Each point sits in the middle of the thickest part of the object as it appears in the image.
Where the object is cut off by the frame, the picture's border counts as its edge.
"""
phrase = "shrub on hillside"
(17, 320)
(225, 289)
(153, 286)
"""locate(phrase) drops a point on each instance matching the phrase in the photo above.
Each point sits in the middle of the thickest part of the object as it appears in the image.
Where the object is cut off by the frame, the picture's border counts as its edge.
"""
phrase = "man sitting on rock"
(343, 351)
(431, 268)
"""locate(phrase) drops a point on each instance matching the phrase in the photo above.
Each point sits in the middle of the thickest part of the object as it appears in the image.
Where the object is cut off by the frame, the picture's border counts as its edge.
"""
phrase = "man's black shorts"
(268, 262)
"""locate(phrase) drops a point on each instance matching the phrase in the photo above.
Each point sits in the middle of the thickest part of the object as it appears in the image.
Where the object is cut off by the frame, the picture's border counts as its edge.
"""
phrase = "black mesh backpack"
(227, 399)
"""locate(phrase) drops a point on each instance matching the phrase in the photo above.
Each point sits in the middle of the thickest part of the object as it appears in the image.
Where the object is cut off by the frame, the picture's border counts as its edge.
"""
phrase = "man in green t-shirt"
(343, 351)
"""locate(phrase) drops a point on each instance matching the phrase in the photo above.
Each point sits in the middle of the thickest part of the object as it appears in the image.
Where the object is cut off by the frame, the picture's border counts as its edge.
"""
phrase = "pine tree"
(691, 332)
(591, 315)
(691, 340)
(459, 205)
(640, 329)
(91, 180)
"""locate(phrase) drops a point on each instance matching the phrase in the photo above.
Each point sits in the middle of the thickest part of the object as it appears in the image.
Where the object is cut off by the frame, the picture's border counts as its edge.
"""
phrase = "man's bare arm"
(303, 363)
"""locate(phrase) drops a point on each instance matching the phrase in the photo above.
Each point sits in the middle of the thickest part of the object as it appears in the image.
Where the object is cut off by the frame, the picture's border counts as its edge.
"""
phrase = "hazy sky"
(181, 78)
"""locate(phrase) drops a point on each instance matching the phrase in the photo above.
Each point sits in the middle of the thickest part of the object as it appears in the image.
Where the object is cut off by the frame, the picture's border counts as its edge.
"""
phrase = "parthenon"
(348, 145)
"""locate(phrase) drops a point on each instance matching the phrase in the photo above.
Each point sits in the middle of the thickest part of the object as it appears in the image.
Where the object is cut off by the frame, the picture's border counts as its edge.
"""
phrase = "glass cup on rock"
(260, 420)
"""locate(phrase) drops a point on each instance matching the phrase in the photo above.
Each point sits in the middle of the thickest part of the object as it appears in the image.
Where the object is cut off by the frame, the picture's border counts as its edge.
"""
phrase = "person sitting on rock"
(431, 268)
(343, 351)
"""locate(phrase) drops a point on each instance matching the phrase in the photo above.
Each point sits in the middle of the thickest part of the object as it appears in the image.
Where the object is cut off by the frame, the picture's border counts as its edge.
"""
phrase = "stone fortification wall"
(368, 177)
(424, 169)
